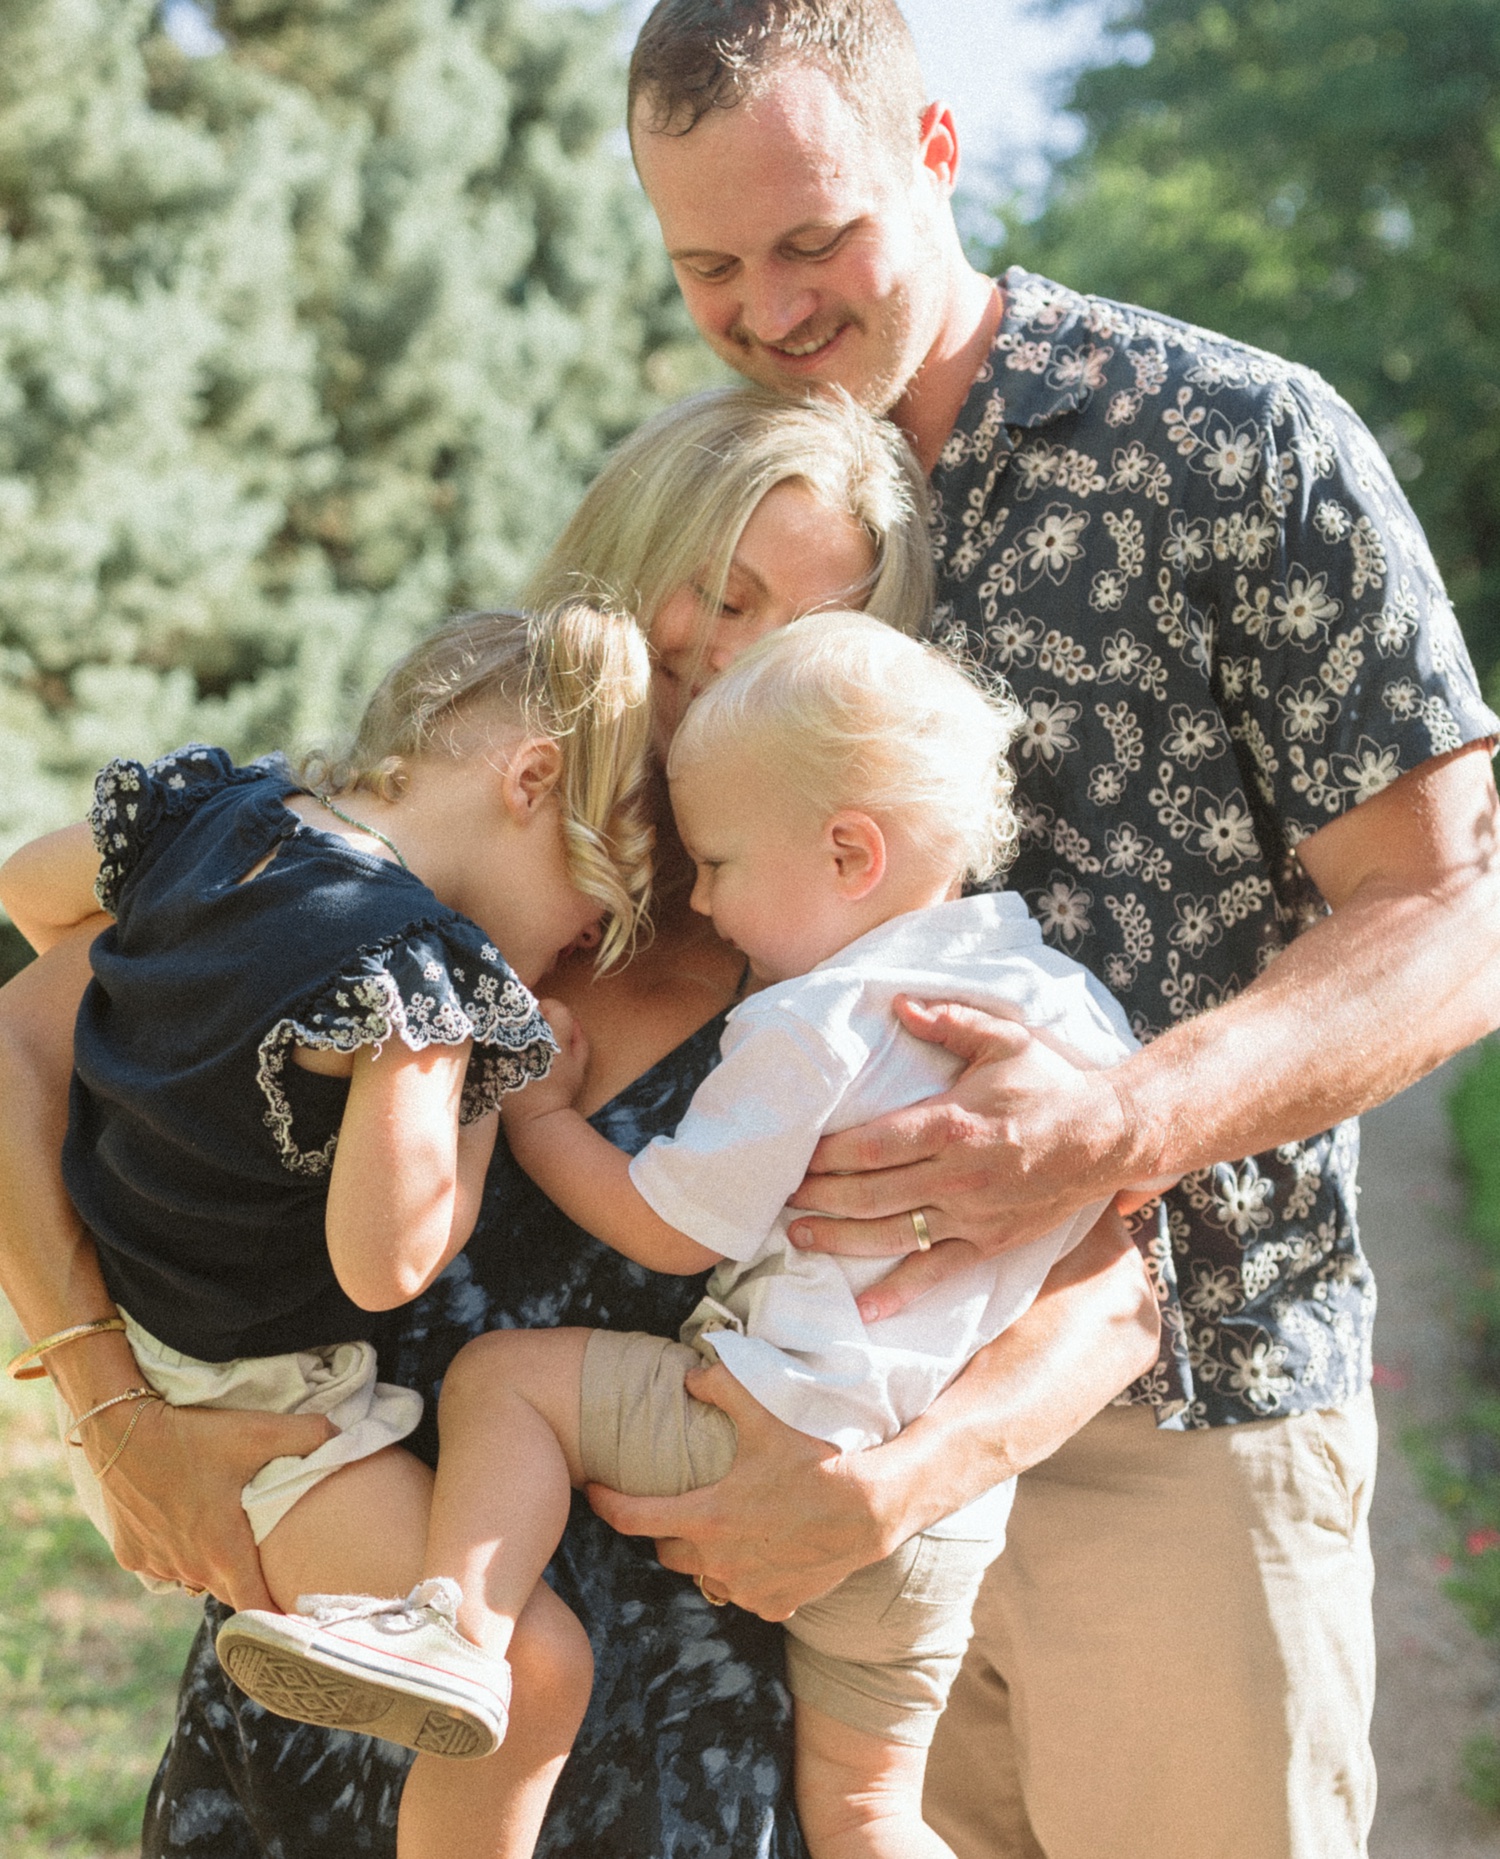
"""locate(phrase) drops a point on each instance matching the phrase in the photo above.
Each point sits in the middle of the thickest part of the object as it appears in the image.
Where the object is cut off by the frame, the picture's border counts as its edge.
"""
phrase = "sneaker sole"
(297, 1684)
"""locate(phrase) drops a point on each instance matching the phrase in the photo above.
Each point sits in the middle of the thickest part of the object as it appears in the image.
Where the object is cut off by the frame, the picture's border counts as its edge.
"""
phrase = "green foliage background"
(302, 346)
(1320, 178)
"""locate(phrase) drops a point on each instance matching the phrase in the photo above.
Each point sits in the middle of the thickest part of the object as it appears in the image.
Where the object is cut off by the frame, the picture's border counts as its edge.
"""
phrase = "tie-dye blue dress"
(686, 1749)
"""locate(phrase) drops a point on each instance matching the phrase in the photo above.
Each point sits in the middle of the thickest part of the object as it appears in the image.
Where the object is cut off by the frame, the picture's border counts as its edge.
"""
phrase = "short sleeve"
(440, 983)
(132, 800)
(1342, 662)
(727, 1171)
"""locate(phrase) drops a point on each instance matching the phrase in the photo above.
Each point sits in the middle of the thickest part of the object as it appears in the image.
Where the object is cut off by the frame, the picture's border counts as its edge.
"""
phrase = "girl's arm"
(581, 1171)
(174, 1497)
(407, 1180)
(47, 887)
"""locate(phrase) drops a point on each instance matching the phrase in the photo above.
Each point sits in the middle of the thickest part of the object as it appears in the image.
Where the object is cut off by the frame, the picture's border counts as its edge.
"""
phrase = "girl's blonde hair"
(850, 713)
(668, 509)
(578, 675)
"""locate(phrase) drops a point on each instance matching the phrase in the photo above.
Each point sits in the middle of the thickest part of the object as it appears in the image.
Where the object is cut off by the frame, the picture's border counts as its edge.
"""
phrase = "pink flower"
(1481, 1542)
(1384, 1377)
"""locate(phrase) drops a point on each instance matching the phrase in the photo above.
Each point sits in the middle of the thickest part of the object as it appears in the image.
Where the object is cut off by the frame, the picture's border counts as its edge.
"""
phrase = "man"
(1257, 800)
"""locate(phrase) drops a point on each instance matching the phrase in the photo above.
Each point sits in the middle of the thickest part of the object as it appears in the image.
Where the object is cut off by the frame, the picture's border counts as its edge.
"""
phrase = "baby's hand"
(565, 1078)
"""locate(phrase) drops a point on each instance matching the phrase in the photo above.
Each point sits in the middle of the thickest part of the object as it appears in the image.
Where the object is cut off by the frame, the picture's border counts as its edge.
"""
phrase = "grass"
(1461, 1467)
(89, 1661)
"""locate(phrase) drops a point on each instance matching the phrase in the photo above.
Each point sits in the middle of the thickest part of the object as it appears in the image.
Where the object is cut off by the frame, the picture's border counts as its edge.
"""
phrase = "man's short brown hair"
(694, 56)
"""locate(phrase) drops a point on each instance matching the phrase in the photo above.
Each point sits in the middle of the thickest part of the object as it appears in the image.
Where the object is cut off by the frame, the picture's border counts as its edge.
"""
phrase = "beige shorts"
(338, 1381)
(880, 1652)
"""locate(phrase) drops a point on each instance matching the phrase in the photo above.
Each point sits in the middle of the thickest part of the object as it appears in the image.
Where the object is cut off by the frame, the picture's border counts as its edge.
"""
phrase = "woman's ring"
(714, 1600)
(919, 1227)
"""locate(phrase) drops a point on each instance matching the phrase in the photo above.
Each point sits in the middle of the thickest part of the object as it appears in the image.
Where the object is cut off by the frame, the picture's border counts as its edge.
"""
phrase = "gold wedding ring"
(919, 1227)
(714, 1600)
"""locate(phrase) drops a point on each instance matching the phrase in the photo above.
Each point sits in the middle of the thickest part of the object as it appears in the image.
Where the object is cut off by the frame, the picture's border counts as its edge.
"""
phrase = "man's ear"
(937, 145)
(531, 772)
(858, 848)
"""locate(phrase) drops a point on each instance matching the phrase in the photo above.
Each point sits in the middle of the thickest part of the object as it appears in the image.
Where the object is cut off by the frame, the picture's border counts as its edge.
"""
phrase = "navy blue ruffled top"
(197, 1152)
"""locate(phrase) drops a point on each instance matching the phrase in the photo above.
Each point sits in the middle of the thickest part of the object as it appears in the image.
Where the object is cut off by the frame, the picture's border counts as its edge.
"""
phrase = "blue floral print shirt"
(1194, 566)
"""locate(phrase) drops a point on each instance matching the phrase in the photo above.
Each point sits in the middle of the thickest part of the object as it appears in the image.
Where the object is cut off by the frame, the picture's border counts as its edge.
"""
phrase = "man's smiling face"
(807, 253)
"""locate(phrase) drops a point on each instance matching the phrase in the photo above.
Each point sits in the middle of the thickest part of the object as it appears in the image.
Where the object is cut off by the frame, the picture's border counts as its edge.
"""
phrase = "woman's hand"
(785, 1524)
(174, 1495)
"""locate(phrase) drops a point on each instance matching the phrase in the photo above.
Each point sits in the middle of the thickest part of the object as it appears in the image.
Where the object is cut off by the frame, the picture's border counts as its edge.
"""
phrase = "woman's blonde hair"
(850, 713)
(577, 674)
(668, 509)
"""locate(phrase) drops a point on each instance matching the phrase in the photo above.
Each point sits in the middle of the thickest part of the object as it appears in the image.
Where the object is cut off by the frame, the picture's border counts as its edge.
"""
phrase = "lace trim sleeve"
(132, 799)
(441, 984)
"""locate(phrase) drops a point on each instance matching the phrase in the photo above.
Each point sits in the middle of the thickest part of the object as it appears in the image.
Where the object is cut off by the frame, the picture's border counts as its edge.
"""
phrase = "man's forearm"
(1093, 1329)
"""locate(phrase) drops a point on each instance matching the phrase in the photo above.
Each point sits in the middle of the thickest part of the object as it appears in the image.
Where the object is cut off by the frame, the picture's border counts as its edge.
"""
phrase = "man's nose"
(774, 305)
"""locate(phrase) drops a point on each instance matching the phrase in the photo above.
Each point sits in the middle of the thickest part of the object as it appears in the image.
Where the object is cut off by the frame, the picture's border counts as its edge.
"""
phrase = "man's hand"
(1021, 1142)
(174, 1496)
(785, 1524)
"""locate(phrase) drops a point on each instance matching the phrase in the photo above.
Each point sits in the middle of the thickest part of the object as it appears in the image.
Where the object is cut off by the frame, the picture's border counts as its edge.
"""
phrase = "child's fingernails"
(800, 1236)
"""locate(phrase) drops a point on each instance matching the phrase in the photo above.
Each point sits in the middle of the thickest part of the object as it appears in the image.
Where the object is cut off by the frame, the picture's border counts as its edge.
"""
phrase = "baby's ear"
(531, 772)
(857, 846)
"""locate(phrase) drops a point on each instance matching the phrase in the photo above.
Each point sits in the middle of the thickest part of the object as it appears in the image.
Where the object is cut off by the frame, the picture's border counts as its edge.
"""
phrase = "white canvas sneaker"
(395, 1669)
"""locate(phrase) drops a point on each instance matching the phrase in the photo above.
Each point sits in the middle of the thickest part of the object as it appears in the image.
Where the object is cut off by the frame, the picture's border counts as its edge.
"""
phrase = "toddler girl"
(301, 1023)
(835, 787)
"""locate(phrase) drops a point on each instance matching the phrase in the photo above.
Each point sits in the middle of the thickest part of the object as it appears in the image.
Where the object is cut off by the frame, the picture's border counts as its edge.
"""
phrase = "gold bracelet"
(28, 1365)
(130, 1394)
(135, 1420)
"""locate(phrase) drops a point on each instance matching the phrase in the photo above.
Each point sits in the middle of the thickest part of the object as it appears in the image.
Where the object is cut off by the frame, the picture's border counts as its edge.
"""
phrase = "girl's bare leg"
(491, 1520)
(858, 1796)
(361, 1530)
(493, 1809)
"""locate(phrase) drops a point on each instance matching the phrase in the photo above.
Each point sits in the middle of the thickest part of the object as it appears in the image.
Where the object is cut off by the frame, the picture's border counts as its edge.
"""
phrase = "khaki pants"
(1174, 1658)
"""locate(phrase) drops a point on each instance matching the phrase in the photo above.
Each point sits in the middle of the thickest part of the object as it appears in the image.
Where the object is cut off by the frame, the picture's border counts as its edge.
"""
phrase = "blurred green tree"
(302, 345)
(1320, 178)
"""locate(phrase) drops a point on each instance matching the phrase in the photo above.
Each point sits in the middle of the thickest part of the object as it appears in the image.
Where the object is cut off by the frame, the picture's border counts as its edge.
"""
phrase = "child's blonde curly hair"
(850, 713)
(577, 674)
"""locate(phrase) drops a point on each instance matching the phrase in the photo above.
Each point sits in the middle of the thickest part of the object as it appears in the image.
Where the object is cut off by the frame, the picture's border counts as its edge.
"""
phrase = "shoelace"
(437, 1595)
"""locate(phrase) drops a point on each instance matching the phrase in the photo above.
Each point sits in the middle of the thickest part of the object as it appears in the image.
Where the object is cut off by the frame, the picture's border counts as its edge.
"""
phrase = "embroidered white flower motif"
(1197, 927)
(1062, 910)
(1370, 770)
(1015, 638)
(1196, 735)
(1229, 456)
(1047, 735)
(1306, 608)
(1239, 1198)
(1308, 712)
(1052, 545)
(1333, 520)
(1214, 1292)
(1186, 545)
(1107, 595)
(1106, 784)
(1226, 832)
(1258, 1374)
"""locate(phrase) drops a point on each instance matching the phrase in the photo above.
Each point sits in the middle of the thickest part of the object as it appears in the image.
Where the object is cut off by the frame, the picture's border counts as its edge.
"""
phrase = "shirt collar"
(1047, 358)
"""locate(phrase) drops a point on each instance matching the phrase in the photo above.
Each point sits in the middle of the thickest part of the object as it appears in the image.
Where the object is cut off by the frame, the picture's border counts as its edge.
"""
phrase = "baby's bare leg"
(858, 1796)
(361, 1530)
(508, 1463)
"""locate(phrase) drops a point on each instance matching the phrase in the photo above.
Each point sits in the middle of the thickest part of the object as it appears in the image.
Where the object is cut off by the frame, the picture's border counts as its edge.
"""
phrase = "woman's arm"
(47, 887)
(407, 1180)
(794, 1516)
(174, 1495)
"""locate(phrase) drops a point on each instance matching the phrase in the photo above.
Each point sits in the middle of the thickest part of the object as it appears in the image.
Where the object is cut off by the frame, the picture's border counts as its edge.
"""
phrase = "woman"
(722, 519)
